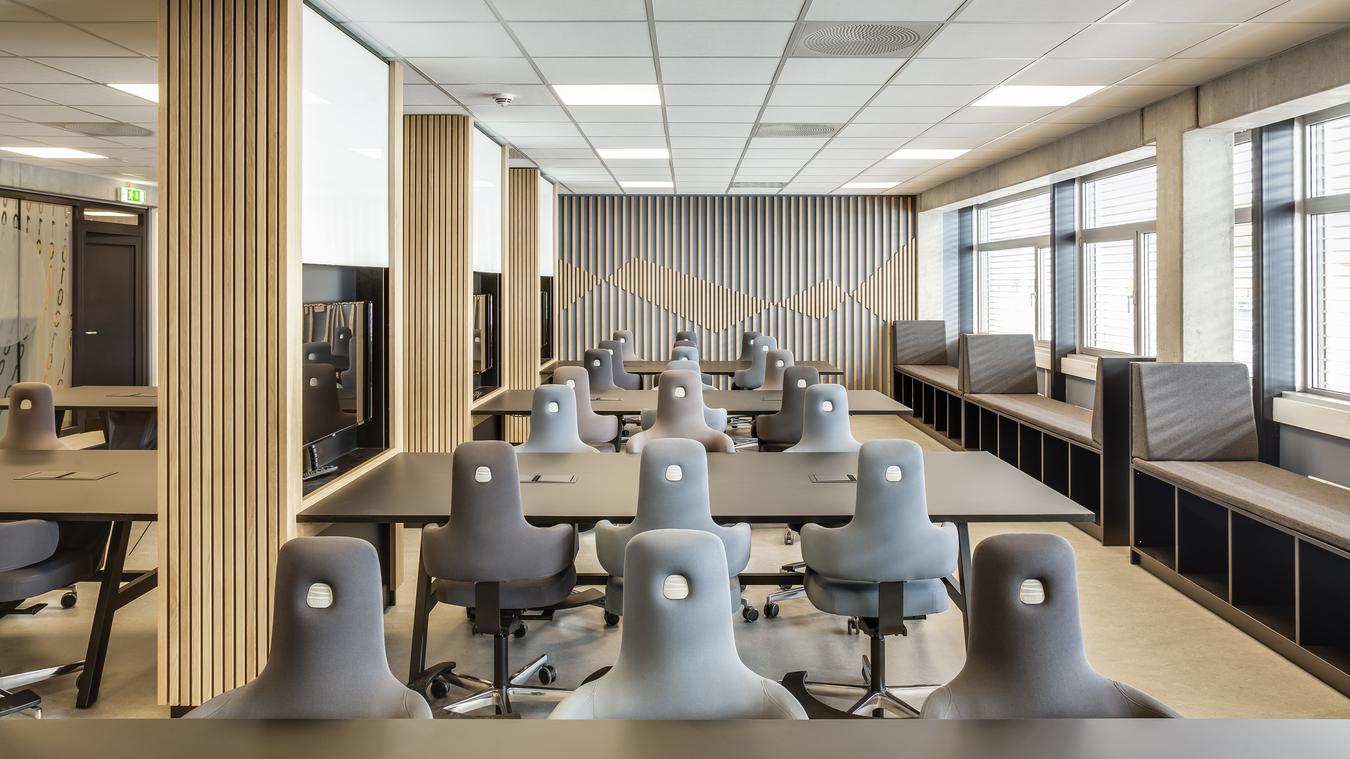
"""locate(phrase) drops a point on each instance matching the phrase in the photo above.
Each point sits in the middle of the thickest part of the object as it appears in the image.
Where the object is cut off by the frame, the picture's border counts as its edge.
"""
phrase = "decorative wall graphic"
(35, 292)
(823, 274)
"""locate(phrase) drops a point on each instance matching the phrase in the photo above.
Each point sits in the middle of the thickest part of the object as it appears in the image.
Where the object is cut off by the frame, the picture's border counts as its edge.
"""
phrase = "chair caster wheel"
(788, 539)
(611, 619)
(853, 627)
(68, 599)
(771, 610)
(439, 688)
(749, 613)
(547, 674)
(519, 632)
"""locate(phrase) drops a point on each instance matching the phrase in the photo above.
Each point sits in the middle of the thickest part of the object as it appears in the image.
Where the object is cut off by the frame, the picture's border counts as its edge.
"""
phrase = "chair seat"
(65, 567)
(940, 375)
(515, 594)
(1278, 495)
(1058, 417)
(858, 598)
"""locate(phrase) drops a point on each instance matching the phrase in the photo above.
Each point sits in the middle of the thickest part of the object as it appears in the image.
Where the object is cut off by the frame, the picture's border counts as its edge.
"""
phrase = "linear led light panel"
(144, 91)
(1035, 95)
(608, 94)
(868, 185)
(646, 185)
(926, 154)
(53, 153)
(634, 154)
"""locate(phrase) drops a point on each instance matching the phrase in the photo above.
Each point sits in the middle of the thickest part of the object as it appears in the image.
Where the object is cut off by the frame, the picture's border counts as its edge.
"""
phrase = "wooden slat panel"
(520, 291)
(229, 302)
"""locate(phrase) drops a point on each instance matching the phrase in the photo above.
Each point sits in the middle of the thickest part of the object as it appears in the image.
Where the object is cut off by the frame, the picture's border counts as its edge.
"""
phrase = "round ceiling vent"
(861, 39)
(796, 130)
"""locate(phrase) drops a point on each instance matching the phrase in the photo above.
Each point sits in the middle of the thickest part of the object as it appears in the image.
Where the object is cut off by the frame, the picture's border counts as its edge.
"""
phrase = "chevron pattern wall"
(822, 274)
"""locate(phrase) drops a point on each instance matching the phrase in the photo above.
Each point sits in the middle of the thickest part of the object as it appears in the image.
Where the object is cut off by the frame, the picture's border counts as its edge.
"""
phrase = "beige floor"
(1137, 630)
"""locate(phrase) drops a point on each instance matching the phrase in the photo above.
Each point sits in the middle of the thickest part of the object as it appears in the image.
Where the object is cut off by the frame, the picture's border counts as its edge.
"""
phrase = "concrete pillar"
(1207, 245)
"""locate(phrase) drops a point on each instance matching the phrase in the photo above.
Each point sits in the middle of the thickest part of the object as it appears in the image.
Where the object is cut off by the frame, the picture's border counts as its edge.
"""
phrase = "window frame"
(1310, 206)
(1041, 245)
(1135, 231)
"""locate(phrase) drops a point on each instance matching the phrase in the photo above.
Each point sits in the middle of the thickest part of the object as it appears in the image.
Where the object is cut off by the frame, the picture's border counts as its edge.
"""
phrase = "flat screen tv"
(336, 389)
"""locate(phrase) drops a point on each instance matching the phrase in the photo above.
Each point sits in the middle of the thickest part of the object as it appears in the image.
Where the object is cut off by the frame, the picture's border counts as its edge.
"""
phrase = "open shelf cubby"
(1055, 463)
(954, 425)
(940, 411)
(1155, 517)
(1029, 447)
(988, 431)
(1202, 543)
(1007, 439)
(970, 419)
(1085, 478)
(1324, 612)
(1263, 573)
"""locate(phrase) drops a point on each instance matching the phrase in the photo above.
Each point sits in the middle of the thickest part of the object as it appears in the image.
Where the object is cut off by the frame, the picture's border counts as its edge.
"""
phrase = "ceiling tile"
(826, 159)
(1082, 71)
(481, 94)
(1171, 11)
(695, 38)
(473, 70)
(572, 10)
(1130, 96)
(13, 97)
(597, 70)
(707, 142)
(548, 143)
(917, 114)
(1189, 71)
(788, 143)
(1022, 11)
(930, 94)
(722, 153)
(891, 142)
(536, 129)
(1085, 114)
(615, 113)
(715, 94)
(53, 39)
(127, 113)
(965, 143)
(971, 132)
(718, 70)
(723, 113)
(1257, 40)
(417, 40)
(838, 70)
(997, 40)
(142, 37)
(521, 113)
(424, 94)
(1135, 40)
(821, 94)
(881, 130)
(409, 10)
(414, 110)
(78, 94)
(629, 142)
(697, 129)
(997, 115)
(882, 10)
(623, 129)
(49, 113)
(740, 10)
(22, 70)
(1335, 12)
(583, 39)
(554, 154)
(959, 70)
(809, 114)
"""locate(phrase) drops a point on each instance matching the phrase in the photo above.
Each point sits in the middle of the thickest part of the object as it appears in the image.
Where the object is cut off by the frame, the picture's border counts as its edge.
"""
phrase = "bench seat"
(938, 375)
(1057, 417)
(1279, 496)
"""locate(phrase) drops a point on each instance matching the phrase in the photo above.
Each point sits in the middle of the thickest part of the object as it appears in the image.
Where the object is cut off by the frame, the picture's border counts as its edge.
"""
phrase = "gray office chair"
(825, 424)
(715, 418)
(677, 655)
(1025, 659)
(625, 339)
(32, 419)
(623, 379)
(553, 422)
(600, 369)
(752, 377)
(595, 429)
(785, 427)
(318, 352)
(680, 414)
(776, 362)
(689, 336)
(489, 559)
(747, 343)
(684, 353)
(321, 408)
(686, 357)
(672, 493)
(37, 557)
(327, 659)
(886, 565)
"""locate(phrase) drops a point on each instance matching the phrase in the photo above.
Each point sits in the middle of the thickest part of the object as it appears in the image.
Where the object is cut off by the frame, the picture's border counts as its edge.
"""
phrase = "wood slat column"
(229, 318)
(436, 267)
(520, 293)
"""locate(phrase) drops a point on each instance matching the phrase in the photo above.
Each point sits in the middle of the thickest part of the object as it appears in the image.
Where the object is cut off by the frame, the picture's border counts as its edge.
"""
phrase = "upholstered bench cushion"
(919, 342)
(934, 374)
(1063, 419)
(1277, 495)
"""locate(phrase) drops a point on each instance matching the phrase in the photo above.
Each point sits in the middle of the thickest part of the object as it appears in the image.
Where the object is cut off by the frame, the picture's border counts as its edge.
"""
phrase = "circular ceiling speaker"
(861, 39)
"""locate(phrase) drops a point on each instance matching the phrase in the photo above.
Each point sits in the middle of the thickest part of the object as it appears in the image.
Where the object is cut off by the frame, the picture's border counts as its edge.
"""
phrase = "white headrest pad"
(893, 473)
(553, 407)
(827, 406)
(319, 596)
(680, 391)
(674, 473)
(801, 383)
(571, 383)
(675, 587)
(313, 382)
(482, 474)
(595, 362)
(1032, 592)
(778, 363)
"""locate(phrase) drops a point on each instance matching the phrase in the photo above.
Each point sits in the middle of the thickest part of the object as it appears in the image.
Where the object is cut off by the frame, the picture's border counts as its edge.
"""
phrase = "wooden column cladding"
(229, 312)
(520, 290)
(437, 282)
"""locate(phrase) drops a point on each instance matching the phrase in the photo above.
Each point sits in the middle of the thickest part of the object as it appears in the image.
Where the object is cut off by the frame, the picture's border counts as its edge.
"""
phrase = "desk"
(736, 402)
(128, 411)
(716, 368)
(775, 739)
(128, 496)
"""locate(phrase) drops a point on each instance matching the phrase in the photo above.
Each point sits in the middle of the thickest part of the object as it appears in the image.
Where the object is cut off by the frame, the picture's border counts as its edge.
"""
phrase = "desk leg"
(417, 658)
(963, 574)
(108, 602)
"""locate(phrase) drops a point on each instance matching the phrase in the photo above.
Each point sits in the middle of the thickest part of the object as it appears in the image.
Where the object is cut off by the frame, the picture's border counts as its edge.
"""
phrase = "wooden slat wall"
(822, 274)
(229, 308)
(520, 291)
(437, 281)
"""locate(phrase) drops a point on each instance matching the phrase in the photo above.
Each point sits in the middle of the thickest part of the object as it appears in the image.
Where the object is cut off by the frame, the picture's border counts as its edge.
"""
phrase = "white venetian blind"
(1242, 253)
(1127, 198)
(1015, 219)
(1109, 276)
(1009, 290)
(1329, 244)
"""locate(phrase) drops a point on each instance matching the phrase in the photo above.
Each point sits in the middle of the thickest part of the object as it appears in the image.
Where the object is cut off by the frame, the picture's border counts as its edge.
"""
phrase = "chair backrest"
(666, 631)
(687, 335)
(624, 337)
(321, 409)
(327, 659)
(998, 364)
(25, 543)
(890, 538)
(752, 378)
(622, 377)
(600, 368)
(786, 425)
(684, 353)
(1025, 658)
(825, 423)
(487, 538)
(32, 419)
(1111, 400)
(1192, 412)
(747, 344)
(680, 414)
(919, 341)
(593, 427)
(776, 362)
(553, 422)
(317, 353)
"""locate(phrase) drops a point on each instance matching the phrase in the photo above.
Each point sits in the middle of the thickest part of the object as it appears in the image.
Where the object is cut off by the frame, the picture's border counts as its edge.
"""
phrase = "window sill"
(1329, 416)
(1079, 365)
(1043, 357)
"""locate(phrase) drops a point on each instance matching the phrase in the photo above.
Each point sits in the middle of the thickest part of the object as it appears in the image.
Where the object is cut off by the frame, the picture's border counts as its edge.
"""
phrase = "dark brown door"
(109, 312)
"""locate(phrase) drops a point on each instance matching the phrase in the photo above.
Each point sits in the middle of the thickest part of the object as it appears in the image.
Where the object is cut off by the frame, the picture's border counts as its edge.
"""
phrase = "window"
(486, 230)
(1242, 250)
(1118, 234)
(1012, 251)
(1327, 145)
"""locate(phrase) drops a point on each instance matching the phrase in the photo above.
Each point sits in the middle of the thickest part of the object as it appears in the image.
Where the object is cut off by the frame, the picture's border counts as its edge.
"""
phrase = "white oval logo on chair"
(675, 587)
(313, 381)
(764, 349)
(482, 474)
(611, 351)
(680, 391)
(827, 406)
(801, 383)
(312, 356)
(1031, 593)
(26, 405)
(319, 596)
(595, 362)
(571, 383)
(674, 473)
(778, 363)
(553, 407)
(893, 473)
(623, 339)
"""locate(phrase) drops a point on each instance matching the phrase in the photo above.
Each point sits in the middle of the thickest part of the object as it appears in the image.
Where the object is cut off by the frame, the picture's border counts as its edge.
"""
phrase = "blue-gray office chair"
(600, 369)
(752, 377)
(776, 363)
(785, 427)
(688, 336)
(680, 413)
(825, 423)
(623, 379)
(553, 422)
(747, 343)
(686, 357)
(595, 429)
(625, 339)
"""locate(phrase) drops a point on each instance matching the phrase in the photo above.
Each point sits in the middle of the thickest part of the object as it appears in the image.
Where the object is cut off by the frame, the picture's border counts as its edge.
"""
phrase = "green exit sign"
(134, 195)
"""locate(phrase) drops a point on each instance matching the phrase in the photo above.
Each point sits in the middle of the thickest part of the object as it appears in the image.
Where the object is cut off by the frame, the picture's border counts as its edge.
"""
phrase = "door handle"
(91, 332)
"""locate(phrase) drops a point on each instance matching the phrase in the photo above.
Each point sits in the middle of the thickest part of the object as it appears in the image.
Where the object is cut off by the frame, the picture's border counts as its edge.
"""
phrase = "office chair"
(752, 378)
(37, 557)
(553, 422)
(677, 654)
(784, 428)
(625, 339)
(687, 335)
(600, 369)
(623, 379)
(825, 424)
(321, 408)
(680, 414)
(776, 362)
(1025, 659)
(715, 418)
(886, 565)
(747, 344)
(595, 429)
(327, 659)
(686, 357)
(489, 559)
(672, 493)
(684, 353)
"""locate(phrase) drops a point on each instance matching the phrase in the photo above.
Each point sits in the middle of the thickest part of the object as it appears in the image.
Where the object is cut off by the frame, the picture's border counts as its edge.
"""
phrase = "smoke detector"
(796, 130)
(504, 99)
(861, 39)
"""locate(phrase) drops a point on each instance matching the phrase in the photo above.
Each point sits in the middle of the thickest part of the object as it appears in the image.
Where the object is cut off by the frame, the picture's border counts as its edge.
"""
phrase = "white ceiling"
(723, 69)
(56, 56)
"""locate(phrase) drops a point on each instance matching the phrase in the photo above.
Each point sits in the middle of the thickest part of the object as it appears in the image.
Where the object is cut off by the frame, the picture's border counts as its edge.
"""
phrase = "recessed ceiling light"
(144, 91)
(53, 153)
(634, 154)
(646, 185)
(1036, 95)
(608, 94)
(869, 185)
(926, 154)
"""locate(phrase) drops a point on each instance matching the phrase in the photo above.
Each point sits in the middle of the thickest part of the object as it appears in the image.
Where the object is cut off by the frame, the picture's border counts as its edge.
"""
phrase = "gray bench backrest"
(919, 342)
(1192, 412)
(1001, 364)
(1111, 397)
